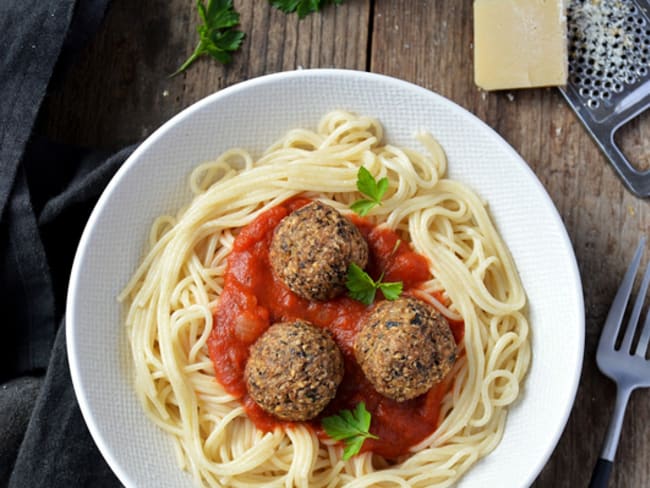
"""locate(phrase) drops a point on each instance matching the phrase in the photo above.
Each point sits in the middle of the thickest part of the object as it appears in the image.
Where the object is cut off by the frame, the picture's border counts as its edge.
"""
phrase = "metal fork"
(628, 368)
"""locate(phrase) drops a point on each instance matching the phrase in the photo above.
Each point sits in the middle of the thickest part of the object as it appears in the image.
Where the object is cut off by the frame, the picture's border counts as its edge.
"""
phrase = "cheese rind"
(520, 43)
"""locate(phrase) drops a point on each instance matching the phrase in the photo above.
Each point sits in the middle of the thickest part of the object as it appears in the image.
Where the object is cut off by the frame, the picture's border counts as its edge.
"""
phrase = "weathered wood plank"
(119, 91)
(430, 43)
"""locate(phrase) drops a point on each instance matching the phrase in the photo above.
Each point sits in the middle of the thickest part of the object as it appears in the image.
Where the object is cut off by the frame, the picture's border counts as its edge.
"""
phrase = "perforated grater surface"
(609, 74)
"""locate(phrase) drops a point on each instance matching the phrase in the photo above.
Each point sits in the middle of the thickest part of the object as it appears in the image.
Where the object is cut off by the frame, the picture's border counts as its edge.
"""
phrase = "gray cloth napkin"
(46, 194)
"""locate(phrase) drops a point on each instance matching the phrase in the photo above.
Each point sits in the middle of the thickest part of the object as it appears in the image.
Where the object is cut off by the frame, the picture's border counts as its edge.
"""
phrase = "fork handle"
(600, 476)
(603, 467)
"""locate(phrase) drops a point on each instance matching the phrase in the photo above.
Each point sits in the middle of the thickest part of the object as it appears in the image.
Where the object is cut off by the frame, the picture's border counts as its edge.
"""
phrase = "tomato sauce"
(253, 299)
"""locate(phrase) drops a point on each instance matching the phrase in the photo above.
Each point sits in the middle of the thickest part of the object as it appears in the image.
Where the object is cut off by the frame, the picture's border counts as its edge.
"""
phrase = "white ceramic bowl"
(253, 114)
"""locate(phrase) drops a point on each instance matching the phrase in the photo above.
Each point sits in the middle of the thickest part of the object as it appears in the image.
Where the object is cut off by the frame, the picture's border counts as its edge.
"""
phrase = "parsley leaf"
(391, 291)
(362, 207)
(352, 427)
(302, 7)
(374, 190)
(360, 285)
(352, 446)
(363, 288)
(217, 36)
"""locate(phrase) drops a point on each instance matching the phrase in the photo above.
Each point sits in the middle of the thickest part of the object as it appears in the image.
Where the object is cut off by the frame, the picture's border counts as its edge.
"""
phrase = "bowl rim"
(82, 248)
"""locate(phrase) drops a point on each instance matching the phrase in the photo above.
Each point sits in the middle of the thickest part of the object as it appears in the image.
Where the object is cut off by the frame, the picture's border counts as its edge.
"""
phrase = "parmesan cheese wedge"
(520, 43)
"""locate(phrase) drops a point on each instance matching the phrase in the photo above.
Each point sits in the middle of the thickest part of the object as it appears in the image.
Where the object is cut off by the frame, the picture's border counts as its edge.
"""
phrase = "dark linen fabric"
(57, 450)
(47, 192)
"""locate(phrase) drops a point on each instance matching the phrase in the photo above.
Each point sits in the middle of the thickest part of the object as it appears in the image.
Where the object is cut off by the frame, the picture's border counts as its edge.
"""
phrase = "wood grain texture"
(119, 92)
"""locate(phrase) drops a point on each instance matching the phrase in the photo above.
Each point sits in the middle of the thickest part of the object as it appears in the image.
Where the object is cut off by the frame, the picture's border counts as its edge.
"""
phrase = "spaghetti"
(175, 291)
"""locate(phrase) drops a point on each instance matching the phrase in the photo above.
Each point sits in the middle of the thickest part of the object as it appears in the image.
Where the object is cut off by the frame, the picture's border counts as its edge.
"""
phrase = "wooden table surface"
(118, 92)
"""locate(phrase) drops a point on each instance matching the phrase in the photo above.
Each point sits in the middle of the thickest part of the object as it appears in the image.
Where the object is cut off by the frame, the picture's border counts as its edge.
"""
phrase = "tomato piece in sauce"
(252, 299)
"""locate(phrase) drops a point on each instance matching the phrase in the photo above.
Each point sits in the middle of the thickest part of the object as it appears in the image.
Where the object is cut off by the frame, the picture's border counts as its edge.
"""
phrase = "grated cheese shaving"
(608, 41)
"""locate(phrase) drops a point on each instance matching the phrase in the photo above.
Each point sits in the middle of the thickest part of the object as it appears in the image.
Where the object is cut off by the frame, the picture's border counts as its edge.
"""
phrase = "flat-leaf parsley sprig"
(351, 427)
(363, 288)
(302, 7)
(217, 36)
(371, 188)
(219, 39)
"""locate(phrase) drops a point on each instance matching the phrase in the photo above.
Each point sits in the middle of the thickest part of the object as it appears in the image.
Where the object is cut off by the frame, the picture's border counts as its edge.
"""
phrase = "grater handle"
(638, 182)
(630, 107)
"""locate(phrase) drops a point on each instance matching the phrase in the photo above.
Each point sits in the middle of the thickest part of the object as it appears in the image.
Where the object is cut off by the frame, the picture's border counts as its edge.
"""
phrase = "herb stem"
(195, 55)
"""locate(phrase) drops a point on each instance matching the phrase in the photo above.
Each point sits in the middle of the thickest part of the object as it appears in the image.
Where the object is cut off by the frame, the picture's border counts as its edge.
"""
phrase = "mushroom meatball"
(312, 248)
(293, 370)
(404, 348)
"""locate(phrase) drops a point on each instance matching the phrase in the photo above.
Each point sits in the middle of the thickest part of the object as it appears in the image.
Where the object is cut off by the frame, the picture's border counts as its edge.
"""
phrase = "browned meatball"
(312, 248)
(294, 370)
(404, 348)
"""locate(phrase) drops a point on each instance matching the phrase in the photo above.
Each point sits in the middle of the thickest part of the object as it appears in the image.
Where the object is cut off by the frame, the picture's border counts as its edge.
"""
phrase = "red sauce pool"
(252, 300)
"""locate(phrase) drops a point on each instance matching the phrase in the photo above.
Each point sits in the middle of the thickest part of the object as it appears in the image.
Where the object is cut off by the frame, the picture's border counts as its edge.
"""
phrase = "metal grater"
(609, 74)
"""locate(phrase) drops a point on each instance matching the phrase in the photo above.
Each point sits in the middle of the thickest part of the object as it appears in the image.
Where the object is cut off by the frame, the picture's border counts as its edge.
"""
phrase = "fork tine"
(633, 323)
(642, 346)
(616, 311)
